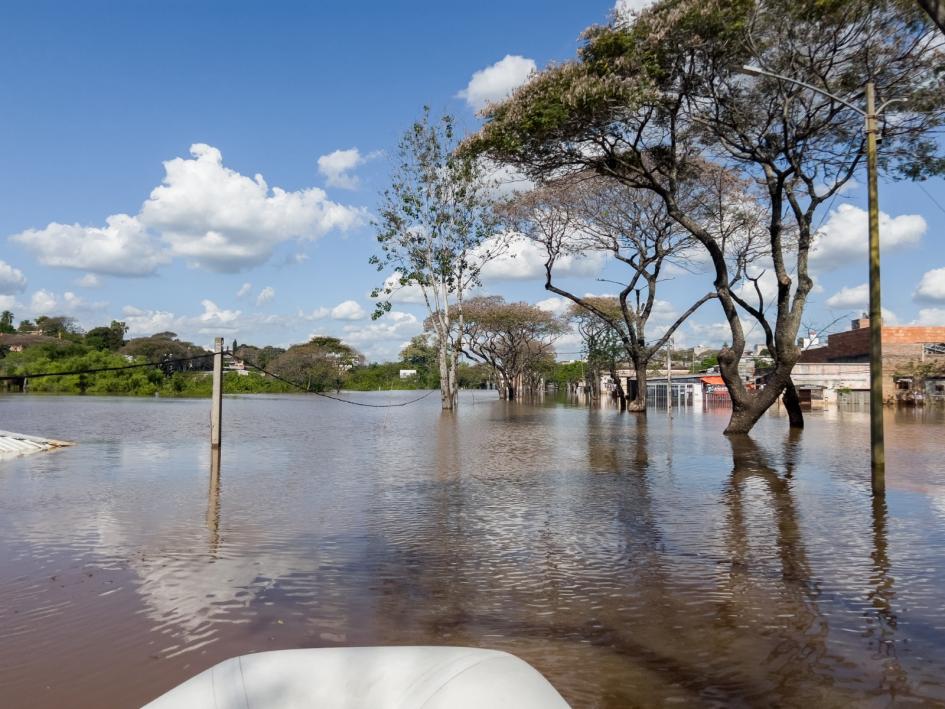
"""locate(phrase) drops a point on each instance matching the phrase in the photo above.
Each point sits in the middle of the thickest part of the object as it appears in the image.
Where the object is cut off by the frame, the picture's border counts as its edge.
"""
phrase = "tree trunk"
(748, 406)
(638, 402)
(621, 394)
(446, 398)
(792, 404)
(510, 388)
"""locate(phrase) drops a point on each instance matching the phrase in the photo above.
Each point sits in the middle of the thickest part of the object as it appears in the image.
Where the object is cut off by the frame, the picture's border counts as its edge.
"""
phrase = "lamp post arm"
(748, 69)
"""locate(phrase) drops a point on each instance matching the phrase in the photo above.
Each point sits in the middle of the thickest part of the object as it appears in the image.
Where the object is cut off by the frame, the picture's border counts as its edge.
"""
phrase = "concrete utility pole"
(216, 404)
(877, 436)
(871, 114)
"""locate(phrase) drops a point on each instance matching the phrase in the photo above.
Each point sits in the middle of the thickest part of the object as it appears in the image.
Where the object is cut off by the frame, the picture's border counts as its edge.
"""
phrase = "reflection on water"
(634, 560)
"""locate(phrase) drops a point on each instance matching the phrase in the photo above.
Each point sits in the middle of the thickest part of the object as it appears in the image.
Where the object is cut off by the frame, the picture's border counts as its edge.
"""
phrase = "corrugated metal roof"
(13, 444)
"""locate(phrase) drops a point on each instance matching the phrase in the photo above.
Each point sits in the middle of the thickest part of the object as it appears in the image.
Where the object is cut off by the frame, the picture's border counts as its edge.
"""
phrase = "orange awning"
(713, 380)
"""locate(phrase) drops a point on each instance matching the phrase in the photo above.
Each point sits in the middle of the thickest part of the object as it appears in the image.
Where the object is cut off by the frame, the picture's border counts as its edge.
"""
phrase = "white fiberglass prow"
(367, 678)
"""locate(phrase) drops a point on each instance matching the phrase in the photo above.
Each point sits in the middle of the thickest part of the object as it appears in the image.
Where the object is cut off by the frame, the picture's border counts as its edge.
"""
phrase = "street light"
(877, 447)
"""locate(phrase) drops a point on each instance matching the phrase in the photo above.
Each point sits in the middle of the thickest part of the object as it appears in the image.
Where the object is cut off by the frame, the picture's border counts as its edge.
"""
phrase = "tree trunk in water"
(638, 402)
(750, 405)
(792, 403)
(446, 398)
(621, 394)
(510, 387)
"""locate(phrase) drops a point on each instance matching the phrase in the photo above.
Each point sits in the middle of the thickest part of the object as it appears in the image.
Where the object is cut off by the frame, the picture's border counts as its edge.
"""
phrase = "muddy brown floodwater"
(633, 560)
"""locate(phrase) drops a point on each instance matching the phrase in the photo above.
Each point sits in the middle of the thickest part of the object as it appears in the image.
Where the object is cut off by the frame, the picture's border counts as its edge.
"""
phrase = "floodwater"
(634, 560)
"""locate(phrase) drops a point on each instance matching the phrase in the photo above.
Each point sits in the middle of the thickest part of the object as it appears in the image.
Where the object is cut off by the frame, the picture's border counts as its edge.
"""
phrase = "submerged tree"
(592, 214)
(654, 99)
(514, 339)
(603, 342)
(436, 232)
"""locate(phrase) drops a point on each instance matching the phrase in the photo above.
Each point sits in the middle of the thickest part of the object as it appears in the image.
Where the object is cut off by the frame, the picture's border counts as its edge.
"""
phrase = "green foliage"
(6, 322)
(567, 373)
(322, 363)
(110, 338)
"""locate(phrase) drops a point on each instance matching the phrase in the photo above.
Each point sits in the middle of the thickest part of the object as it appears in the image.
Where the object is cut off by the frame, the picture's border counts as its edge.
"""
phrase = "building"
(407, 373)
(18, 341)
(904, 348)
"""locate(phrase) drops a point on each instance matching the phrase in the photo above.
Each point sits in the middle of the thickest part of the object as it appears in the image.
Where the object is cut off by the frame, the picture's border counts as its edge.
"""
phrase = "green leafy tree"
(514, 339)
(110, 338)
(322, 363)
(435, 231)
(6, 322)
(659, 102)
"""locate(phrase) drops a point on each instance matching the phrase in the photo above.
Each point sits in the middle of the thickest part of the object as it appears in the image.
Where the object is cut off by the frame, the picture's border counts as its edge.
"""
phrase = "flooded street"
(633, 560)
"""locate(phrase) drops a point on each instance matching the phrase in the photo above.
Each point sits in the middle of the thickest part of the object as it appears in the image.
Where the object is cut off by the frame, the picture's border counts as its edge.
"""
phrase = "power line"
(139, 365)
(334, 398)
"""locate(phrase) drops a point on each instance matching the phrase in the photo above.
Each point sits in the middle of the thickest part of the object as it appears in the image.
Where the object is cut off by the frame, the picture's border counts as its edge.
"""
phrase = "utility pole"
(669, 376)
(877, 438)
(216, 404)
(870, 115)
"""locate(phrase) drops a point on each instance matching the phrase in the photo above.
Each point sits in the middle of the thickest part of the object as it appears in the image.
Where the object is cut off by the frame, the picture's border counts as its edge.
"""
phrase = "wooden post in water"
(216, 405)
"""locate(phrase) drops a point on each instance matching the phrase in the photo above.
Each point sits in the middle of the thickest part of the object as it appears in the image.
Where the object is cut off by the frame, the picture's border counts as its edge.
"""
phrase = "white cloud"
(931, 288)
(214, 321)
(12, 279)
(89, 280)
(8, 302)
(337, 167)
(525, 259)
(43, 302)
(497, 81)
(844, 237)
(221, 220)
(348, 310)
(931, 317)
(148, 322)
(265, 295)
(625, 9)
(555, 305)
(410, 293)
(316, 314)
(383, 338)
(857, 297)
(122, 247)
(244, 290)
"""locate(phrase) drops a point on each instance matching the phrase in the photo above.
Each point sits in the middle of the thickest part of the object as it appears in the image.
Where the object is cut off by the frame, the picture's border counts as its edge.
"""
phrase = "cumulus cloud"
(383, 338)
(43, 302)
(844, 237)
(931, 288)
(497, 81)
(931, 317)
(316, 314)
(221, 220)
(555, 305)
(626, 9)
(89, 280)
(525, 259)
(348, 310)
(12, 279)
(244, 290)
(337, 167)
(8, 302)
(265, 295)
(410, 293)
(147, 322)
(203, 212)
(850, 298)
(123, 247)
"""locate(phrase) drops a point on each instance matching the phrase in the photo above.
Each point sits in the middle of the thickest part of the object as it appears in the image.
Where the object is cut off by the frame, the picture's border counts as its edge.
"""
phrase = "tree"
(109, 338)
(421, 355)
(26, 326)
(436, 231)
(319, 364)
(603, 342)
(512, 338)
(654, 100)
(57, 325)
(587, 213)
(164, 347)
(6, 322)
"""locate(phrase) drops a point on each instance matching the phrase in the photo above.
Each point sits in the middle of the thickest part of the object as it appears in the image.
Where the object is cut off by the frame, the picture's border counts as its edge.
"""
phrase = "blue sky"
(103, 101)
